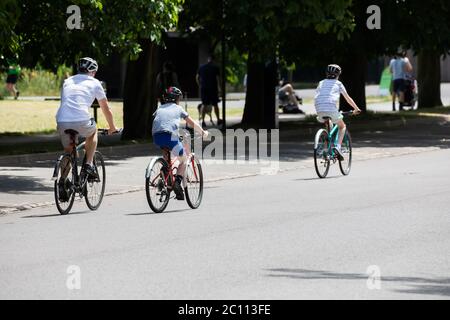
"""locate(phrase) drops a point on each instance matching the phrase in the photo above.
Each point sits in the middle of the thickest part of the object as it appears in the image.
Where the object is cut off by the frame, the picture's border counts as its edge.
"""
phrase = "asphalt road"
(288, 236)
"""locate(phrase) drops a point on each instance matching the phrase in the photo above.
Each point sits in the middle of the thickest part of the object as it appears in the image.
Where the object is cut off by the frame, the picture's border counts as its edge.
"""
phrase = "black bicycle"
(69, 183)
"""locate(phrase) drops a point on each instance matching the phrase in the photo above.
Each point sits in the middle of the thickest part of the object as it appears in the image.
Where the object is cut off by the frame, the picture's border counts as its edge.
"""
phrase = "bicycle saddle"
(71, 132)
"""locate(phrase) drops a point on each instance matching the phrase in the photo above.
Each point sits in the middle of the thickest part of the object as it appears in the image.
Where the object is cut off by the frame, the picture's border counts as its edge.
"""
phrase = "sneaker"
(90, 170)
(339, 153)
(179, 195)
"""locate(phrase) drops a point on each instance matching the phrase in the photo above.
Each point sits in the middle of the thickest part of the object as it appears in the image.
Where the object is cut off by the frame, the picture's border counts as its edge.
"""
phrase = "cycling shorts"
(167, 140)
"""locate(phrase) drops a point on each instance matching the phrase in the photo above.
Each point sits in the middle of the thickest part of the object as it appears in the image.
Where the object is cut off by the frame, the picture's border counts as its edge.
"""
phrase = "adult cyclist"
(77, 95)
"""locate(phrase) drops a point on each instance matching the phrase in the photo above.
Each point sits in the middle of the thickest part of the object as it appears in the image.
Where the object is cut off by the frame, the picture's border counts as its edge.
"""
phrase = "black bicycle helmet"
(333, 71)
(87, 64)
(172, 94)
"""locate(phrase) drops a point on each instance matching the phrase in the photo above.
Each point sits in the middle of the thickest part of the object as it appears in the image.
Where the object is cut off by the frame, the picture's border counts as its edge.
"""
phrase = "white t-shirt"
(327, 95)
(77, 95)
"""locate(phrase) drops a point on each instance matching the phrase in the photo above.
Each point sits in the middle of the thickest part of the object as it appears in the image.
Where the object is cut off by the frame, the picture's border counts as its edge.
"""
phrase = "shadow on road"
(427, 286)
(150, 213)
(55, 215)
(22, 184)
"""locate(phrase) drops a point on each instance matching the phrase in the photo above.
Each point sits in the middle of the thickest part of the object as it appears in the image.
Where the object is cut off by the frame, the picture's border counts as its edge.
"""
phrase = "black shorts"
(399, 85)
(12, 78)
(210, 97)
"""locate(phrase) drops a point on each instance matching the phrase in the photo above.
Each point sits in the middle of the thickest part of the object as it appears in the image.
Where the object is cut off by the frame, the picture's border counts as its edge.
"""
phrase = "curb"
(29, 206)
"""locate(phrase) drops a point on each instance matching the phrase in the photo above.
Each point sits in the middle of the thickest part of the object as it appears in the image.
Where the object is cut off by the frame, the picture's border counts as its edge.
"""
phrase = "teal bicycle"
(324, 152)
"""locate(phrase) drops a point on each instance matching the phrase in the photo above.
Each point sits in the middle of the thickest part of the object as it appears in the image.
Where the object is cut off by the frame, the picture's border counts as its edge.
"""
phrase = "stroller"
(286, 105)
(410, 93)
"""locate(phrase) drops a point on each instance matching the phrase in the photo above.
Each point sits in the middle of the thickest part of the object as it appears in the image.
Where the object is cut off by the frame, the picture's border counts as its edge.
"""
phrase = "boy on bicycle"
(165, 132)
(327, 97)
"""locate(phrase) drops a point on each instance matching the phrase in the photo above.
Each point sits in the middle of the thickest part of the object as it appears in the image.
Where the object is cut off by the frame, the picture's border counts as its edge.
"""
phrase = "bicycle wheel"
(193, 189)
(346, 149)
(156, 187)
(95, 188)
(321, 158)
(64, 186)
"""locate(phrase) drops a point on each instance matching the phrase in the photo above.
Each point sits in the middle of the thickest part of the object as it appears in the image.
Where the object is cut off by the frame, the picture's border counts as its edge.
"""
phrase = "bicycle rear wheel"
(194, 183)
(95, 187)
(156, 187)
(321, 157)
(346, 150)
(64, 189)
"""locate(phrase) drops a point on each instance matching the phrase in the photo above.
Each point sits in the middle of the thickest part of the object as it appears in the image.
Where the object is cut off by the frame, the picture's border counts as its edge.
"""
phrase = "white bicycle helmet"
(87, 64)
(333, 71)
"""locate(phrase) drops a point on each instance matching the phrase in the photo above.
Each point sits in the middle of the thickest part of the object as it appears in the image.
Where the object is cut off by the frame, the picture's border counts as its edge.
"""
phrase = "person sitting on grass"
(327, 97)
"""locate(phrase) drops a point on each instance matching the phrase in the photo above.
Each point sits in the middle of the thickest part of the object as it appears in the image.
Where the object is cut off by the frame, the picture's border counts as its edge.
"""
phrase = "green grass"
(19, 117)
(22, 117)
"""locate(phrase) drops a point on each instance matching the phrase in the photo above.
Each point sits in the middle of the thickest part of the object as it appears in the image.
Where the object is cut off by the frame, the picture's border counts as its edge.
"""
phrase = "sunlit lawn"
(23, 116)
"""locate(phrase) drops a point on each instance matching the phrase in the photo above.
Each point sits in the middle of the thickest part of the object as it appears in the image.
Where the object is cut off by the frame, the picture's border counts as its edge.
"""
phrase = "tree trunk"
(140, 98)
(270, 83)
(354, 75)
(254, 100)
(429, 79)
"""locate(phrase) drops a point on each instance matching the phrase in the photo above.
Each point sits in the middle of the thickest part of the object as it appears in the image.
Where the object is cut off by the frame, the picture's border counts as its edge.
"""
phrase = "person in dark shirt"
(208, 78)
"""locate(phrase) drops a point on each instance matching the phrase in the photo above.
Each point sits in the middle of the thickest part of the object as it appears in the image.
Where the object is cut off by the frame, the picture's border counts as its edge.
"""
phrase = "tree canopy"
(107, 26)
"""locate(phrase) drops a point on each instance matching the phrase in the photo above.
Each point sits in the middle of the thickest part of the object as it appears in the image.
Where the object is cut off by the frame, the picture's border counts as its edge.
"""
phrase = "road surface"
(287, 236)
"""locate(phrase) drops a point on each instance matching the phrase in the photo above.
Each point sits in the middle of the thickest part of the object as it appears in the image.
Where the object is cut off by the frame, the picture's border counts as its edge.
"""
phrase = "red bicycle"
(160, 179)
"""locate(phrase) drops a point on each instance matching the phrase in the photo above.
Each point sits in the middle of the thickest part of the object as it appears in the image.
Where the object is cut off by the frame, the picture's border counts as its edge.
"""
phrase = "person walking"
(399, 68)
(208, 79)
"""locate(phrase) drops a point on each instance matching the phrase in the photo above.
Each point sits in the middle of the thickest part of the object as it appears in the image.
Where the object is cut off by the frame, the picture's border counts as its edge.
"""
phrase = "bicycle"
(68, 182)
(160, 179)
(324, 152)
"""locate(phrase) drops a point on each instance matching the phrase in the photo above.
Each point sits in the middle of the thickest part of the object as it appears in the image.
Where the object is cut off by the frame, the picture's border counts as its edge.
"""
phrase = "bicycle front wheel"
(156, 187)
(64, 188)
(194, 183)
(95, 187)
(346, 150)
(321, 156)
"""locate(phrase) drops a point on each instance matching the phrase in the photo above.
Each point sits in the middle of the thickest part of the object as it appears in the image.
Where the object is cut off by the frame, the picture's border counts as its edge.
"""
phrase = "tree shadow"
(22, 185)
(418, 285)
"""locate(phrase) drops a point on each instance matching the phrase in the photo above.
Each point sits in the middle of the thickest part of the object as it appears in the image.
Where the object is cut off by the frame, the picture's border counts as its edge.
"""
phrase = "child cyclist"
(165, 132)
(327, 97)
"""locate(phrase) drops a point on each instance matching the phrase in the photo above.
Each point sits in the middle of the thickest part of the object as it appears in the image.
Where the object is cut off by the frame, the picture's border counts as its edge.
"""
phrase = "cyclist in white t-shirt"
(327, 98)
(77, 95)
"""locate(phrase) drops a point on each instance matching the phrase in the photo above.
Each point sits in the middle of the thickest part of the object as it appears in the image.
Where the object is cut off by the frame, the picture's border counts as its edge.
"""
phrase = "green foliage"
(425, 25)
(107, 26)
(9, 40)
(259, 26)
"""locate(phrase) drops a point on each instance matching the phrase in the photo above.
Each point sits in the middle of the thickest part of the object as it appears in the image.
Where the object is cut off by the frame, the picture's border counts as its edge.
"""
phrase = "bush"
(37, 82)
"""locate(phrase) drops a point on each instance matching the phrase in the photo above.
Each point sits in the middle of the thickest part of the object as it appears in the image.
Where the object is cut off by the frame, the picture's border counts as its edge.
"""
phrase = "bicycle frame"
(333, 135)
(171, 170)
(74, 163)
